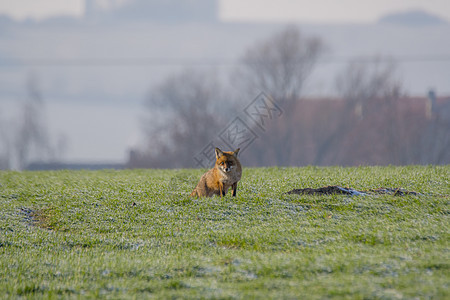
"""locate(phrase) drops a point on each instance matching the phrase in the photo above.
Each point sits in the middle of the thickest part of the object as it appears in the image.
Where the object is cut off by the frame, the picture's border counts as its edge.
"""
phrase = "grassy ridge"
(133, 234)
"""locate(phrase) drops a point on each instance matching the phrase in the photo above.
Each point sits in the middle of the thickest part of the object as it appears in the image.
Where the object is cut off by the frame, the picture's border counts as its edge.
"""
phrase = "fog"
(94, 74)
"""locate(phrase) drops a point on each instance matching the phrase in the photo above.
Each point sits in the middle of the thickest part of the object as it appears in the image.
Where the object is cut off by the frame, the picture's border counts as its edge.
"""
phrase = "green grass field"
(137, 234)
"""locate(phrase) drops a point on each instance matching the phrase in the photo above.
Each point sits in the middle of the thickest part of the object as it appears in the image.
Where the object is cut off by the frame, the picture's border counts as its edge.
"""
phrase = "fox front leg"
(234, 186)
(221, 190)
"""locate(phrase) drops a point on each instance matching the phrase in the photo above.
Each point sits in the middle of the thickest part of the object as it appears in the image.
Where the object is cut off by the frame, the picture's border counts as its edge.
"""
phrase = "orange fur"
(226, 173)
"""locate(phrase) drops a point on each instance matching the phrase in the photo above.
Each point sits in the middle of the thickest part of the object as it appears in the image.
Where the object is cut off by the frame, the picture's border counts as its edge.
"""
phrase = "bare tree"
(182, 114)
(279, 66)
(362, 81)
(5, 146)
(31, 138)
(368, 127)
(435, 139)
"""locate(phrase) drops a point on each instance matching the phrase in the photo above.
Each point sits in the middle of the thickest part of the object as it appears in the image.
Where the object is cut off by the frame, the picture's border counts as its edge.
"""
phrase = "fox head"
(226, 161)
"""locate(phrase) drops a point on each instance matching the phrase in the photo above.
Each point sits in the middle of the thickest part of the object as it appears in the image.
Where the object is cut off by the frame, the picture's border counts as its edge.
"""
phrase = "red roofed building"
(396, 130)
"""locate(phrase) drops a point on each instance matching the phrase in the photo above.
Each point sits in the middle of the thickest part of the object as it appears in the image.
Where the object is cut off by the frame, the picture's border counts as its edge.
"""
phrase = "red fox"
(225, 174)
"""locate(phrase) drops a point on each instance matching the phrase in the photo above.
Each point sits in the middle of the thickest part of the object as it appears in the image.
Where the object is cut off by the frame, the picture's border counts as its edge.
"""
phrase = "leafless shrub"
(182, 114)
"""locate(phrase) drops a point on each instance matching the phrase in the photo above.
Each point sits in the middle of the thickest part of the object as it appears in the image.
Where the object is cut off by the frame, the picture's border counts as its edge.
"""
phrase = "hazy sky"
(88, 137)
(275, 10)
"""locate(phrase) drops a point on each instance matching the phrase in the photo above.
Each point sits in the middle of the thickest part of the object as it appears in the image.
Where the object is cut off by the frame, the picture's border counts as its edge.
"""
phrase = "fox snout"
(228, 168)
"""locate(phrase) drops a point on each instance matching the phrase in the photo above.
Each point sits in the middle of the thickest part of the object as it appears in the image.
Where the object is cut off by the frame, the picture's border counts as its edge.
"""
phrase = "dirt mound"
(338, 190)
(394, 191)
(327, 190)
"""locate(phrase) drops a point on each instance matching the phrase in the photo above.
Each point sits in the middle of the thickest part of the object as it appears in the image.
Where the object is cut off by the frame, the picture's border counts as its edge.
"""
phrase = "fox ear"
(235, 153)
(219, 153)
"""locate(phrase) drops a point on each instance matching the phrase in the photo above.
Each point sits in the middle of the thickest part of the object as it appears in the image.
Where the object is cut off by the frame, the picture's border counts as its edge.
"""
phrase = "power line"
(113, 62)
(143, 61)
(399, 59)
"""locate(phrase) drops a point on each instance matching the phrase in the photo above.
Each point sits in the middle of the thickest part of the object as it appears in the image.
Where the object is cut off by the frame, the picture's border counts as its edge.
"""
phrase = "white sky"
(329, 11)
(38, 9)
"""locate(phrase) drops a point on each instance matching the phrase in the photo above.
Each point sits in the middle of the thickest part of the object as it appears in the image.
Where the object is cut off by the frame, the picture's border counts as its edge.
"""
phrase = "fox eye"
(221, 163)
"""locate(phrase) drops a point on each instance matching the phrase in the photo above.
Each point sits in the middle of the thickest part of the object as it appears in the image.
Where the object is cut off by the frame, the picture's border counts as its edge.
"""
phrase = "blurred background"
(93, 84)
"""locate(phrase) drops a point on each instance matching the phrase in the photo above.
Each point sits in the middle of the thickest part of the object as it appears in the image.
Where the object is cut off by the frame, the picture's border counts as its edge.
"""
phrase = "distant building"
(163, 11)
(412, 18)
(333, 131)
(89, 8)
